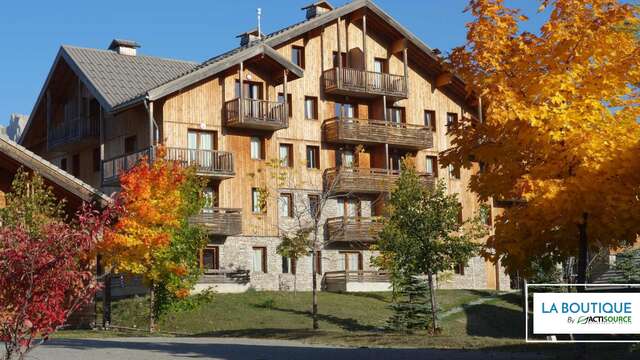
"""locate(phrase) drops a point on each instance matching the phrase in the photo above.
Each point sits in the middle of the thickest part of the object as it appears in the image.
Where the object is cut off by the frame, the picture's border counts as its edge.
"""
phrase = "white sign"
(586, 313)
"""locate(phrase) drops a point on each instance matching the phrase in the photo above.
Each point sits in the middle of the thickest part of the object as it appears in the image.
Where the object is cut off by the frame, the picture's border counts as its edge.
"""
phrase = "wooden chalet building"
(338, 98)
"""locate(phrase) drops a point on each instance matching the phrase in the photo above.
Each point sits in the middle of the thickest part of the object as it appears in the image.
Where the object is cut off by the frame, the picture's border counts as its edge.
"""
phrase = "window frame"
(314, 110)
(313, 211)
(432, 120)
(301, 55)
(452, 118)
(458, 269)
(261, 148)
(97, 160)
(216, 258)
(255, 201)
(289, 162)
(313, 162)
(289, 102)
(263, 250)
(434, 165)
(289, 198)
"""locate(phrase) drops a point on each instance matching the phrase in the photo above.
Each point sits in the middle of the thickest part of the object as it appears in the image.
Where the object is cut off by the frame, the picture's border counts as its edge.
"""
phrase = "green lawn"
(354, 319)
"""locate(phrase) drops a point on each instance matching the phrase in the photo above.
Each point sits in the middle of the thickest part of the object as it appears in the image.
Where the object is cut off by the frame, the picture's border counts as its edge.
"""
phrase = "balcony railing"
(219, 221)
(359, 131)
(225, 277)
(75, 130)
(114, 167)
(211, 163)
(353, 229)
(256, 114)
(365, 180)
(340, 280)
(353, 82)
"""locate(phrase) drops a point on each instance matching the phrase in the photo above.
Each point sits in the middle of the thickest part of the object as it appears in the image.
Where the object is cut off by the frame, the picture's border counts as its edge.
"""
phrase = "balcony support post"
(386, 145)
(406, 69)
(241, 97)
(364, 51)
(151, 137)
(286, 98)
(101, 137)
(339, 73)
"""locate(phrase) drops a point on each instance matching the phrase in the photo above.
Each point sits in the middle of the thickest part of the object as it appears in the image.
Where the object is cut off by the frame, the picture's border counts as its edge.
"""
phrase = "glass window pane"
(192, 139)
(255, 148)
(257, 260)
(429, 165)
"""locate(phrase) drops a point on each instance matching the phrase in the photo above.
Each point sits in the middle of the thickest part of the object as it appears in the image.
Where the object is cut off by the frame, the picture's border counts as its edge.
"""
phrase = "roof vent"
(124, 47)
(317, 8)
(248, 37)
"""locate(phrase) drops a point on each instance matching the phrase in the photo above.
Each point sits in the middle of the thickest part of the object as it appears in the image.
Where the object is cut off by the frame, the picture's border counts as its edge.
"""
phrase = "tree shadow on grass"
(374, 296)
(346, 324)
(494, 321)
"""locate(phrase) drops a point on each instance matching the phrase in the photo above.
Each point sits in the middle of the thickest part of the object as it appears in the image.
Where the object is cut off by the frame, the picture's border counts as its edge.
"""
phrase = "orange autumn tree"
(153, 238)
(559, 131)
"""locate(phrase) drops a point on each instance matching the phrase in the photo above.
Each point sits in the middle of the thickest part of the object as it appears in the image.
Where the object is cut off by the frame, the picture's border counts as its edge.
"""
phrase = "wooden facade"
(361, 94)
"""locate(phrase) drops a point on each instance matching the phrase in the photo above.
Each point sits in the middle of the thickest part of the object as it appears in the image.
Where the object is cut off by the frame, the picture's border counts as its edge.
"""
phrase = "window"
(482, 167)
(289, 265)
(460, 219)
(459, 269)
(430, 119)
(210, 258)
(256, 201)
(335, 58)
(347, 158)
(318, 262)
(349, 207)
(259, 260)
(310, 107)
(452, 118)
(351, 261)
(286, 155)
(313, 157)
(286, 205)
(454, 172)
(63, 164)
(96, 160)
(395, 115)
(314, 205)
(485, 214)
(75, 165)
(130, 144)
(432, 165)
(289, 102)
(297, 55)
(257, 148)
(380, 65)
(345, 110)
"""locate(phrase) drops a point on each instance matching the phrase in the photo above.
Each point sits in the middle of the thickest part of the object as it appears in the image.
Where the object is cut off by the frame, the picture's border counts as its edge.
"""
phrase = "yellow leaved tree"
(559, 129)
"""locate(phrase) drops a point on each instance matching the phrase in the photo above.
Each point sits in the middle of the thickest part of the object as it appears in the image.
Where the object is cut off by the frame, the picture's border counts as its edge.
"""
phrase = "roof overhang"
(217, 67)
(19, 156)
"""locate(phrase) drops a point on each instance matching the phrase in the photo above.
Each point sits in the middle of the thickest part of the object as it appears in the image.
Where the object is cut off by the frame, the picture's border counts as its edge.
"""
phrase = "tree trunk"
(434, 310)
(583, 248)
(106, 301)
(152, 316)
(295, 282)
(314, 287)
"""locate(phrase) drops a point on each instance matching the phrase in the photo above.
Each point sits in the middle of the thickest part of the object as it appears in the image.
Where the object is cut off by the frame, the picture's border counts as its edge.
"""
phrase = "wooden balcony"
(256, 114)
(364, 180)
(219, 221)
(353, 229)
(225, 277)
(210, 163)
(356, 281)
(114, 167)
(371, 132)
(81, 130)
(360, 83)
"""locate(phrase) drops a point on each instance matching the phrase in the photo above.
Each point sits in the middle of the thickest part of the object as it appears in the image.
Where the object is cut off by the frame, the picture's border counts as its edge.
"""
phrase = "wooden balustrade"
(114, 167)
(213, 163)
(354, 82)
(353, 229)
(79, 129)
(366, 131)
(365, 180)
(225, 277)
(219, 221)
(338, 280)
(256, 114)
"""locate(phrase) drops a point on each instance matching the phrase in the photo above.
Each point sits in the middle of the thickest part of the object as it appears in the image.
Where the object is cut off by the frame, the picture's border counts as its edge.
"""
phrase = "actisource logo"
(585, 313)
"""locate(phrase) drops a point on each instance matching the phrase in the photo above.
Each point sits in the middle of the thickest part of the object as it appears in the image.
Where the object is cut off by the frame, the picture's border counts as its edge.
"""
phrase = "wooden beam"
(444, 79)
(339, 47)
(398, 45)
(241, 97)
(286, 101)
(364, 41)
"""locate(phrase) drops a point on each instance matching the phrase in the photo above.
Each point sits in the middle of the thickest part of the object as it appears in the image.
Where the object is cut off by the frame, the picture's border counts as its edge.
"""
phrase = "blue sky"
(32, 31)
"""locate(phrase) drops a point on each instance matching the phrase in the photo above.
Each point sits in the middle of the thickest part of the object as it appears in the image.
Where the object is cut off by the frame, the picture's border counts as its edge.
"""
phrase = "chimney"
(248, 37)
(317, 8)
(124, 47)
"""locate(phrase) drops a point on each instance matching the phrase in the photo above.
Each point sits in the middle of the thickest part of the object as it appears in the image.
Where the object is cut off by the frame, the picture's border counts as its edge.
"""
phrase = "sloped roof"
(121, 78)
(47, 170)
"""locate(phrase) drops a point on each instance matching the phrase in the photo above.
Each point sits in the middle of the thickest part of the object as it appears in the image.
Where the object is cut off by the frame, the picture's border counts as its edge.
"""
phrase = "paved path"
(232, 349)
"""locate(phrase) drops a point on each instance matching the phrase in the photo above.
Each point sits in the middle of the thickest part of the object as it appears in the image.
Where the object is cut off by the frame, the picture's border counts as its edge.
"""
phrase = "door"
(379, 69)
(395, 161)
(200, 148)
